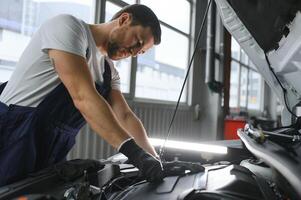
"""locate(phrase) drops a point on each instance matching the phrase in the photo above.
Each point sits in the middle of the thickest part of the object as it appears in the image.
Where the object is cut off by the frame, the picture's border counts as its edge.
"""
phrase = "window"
(130, 1)
(246, 83)
(20, 19)
(234, 85)
(254, 88)
(161, 71)
(178, 16)
(243, 87)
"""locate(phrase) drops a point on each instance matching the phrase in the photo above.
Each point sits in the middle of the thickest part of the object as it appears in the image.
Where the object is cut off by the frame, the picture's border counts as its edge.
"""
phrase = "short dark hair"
(144, 16)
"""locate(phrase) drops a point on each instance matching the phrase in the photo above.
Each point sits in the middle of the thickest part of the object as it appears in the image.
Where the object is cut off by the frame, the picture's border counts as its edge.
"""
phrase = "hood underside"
(266, 20)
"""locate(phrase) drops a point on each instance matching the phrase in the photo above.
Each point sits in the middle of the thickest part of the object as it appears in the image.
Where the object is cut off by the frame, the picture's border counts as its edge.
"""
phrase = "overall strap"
(105, 88)
(2, 86)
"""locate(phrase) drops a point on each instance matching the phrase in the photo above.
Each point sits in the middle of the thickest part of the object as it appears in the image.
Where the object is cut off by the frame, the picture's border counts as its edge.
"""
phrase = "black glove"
(177, 168)
(150, 168)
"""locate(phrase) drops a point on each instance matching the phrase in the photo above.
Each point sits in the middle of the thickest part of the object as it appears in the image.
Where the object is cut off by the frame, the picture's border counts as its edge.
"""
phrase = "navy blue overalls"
(35, 138)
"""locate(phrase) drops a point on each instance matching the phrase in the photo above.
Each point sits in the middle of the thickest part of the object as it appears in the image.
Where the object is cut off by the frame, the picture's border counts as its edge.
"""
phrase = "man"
(65, 78)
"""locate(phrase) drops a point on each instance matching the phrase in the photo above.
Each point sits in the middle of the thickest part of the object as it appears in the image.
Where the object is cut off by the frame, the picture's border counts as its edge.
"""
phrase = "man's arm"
(75, 75)
(130, 122)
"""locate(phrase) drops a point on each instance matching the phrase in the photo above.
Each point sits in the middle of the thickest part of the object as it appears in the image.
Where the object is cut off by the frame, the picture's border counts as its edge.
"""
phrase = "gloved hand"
(177, 168)
(150, 168)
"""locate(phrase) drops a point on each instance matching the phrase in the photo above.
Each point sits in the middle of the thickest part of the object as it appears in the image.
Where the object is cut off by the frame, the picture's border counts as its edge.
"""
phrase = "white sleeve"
(115, 82)
(64, 32)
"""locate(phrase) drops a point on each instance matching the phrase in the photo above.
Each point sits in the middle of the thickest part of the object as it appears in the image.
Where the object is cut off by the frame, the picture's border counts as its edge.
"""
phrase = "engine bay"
(264, 169)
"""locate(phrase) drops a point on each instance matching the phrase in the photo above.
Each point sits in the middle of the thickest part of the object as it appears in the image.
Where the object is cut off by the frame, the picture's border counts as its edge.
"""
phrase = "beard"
(113, 47)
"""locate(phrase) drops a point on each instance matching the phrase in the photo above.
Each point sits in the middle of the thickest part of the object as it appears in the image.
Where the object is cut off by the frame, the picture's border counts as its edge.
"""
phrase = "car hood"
(272, 28)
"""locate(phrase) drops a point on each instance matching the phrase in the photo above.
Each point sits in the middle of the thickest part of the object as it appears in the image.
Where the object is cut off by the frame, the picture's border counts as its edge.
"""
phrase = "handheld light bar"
(189, 146)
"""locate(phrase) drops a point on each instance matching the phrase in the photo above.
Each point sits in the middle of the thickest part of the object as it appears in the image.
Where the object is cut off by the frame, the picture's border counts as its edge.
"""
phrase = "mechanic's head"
(137, 31)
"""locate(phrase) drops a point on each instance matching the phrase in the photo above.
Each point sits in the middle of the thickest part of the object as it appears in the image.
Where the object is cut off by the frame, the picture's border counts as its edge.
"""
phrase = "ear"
(124, 18)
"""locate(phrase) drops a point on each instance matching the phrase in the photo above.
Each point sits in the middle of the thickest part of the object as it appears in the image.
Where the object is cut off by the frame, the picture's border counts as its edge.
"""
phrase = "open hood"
(269, 31)
(271, 27)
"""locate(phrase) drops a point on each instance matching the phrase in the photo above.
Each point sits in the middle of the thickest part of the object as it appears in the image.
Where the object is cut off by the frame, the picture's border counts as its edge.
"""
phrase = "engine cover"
(217, 182)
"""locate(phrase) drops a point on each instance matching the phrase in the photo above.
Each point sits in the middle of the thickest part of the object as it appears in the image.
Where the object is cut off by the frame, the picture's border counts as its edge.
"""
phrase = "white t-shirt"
(35, 76)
